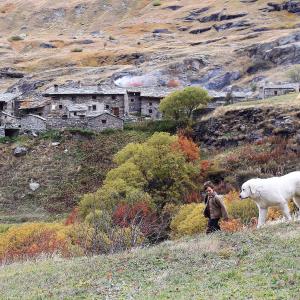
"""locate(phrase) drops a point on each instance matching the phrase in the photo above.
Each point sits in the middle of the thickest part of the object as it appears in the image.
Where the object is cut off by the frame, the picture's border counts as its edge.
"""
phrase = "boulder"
(34, 185)
(20, 151)
(47, 46)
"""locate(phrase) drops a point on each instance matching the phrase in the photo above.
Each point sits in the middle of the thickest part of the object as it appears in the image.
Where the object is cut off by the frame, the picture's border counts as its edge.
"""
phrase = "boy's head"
(209, 187)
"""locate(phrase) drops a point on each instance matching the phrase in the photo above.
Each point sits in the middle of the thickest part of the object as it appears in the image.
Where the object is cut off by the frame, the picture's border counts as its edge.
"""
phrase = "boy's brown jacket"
(215, 209)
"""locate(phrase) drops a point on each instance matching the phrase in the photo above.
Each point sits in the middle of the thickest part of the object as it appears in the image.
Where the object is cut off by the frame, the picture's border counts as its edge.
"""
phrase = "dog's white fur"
(275, 191)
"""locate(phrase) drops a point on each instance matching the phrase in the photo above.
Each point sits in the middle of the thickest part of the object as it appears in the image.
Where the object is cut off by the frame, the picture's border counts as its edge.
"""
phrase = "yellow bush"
(33, 239)
(189, 220)
(244, 210)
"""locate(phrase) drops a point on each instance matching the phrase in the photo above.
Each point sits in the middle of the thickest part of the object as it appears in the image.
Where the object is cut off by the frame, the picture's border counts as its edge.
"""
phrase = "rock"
(47, 45)
(200, 30)
(10, 73)
(221, 17)
(230, 25)
(161, 31)
(85, 42)
(20, 151)
(34, 185)
(291, 6)
(193, 15)
(208, 41)
(55, 144)
(173, 7)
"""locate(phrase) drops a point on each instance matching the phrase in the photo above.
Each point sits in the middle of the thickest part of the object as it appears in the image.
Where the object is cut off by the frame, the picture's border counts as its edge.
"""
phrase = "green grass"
(258, 264)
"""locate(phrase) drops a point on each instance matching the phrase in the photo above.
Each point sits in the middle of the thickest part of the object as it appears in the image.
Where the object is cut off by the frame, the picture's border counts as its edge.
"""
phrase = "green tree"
(294, 74)
(159, 171)
(180, 105)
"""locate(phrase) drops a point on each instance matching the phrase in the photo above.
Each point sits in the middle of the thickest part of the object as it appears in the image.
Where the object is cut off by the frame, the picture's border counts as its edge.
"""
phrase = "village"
(100, 107)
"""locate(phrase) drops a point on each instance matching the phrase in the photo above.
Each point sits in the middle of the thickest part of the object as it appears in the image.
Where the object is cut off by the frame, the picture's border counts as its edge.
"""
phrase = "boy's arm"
(223, 208)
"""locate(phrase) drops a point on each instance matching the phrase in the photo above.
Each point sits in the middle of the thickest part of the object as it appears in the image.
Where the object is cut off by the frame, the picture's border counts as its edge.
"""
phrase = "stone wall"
(269, 92)
(59, 123)
(34, 123)
(105, 121)
(2, 132)
(98, 123)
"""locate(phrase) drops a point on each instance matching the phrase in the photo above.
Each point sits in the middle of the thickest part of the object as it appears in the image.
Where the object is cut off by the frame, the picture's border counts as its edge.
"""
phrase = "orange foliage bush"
(192, 197)
(232, 225)
(140, 214)
(33, 239)
(173, 83)
(188, 147)
(73, 217)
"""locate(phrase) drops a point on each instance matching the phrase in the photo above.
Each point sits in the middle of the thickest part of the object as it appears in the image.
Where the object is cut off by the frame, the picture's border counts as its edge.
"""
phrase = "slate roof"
(85, 90)
(6, 97)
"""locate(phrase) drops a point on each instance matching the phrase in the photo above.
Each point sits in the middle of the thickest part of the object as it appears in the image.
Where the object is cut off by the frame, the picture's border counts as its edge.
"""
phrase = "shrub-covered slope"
(77, 164)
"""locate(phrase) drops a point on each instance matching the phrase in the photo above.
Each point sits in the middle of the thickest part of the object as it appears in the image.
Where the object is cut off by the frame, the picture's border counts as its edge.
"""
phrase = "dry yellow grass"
(289, 100)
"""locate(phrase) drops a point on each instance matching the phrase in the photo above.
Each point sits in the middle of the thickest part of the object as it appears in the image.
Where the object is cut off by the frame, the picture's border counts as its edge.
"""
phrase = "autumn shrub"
(189, 220)
(232, 225)
(244, 210)
(33, 239)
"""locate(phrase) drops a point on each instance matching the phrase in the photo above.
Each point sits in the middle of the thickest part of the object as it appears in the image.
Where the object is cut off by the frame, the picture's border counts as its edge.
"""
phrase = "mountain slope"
(200, 43)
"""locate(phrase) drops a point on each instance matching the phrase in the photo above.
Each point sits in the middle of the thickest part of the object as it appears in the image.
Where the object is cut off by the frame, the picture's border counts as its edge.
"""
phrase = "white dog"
(275, 191)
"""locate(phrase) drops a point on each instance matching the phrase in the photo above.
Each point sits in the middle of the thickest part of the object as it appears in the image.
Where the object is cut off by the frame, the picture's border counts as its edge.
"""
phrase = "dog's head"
(250, 189)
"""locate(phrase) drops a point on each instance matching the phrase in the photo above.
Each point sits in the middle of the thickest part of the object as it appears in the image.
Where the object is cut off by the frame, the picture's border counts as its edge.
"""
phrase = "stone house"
(270, 90)
(9, 125)
(37, 106)
(85, 101)
(33, 123)
(7, 102)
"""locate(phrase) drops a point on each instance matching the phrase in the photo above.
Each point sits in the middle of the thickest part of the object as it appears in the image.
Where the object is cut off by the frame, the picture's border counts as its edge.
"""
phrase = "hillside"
(255, 264)
(65, 165)
(210, 43)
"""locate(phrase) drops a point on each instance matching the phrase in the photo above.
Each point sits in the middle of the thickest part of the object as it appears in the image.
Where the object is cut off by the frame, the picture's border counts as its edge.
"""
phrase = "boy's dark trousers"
(213, 225)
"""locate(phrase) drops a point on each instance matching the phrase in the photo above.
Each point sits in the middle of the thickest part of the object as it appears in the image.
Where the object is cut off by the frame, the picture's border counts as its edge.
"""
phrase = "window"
(73, 98)
(64, 117)
(94, 97)
(150, 103)
(150, 111)
(132, 100)
(107, 106)
(75, 113)
(275, 93)
(114, 97)
(60, 106)
(103, 121)
(94, 107)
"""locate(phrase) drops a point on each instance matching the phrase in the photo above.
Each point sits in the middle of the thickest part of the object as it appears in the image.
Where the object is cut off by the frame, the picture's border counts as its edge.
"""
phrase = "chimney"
(99, 87)
(55, 88)
(79, 84)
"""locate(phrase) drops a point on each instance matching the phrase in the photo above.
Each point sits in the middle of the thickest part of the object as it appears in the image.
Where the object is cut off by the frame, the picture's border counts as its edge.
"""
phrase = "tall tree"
(180, 105)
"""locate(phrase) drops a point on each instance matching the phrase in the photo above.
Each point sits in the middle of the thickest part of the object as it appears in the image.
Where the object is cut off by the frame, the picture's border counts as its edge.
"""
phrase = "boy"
(214, 209)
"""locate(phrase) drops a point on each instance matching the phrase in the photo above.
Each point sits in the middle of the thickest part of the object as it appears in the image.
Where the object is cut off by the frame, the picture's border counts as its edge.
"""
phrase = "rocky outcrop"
(283, 51)
(241, 24)
(10, 73)
(194, 15)
(220, 16)
(200, 30)
(237, 127)
(20, 151)
(290, 6)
